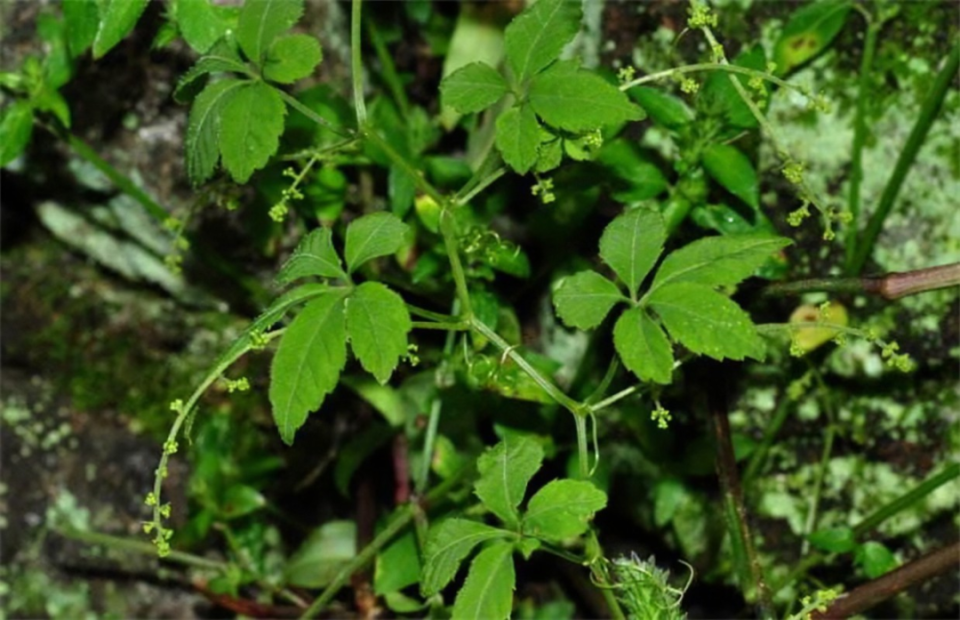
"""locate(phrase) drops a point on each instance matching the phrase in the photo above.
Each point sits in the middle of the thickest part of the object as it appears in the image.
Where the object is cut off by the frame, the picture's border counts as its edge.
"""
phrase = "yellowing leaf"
(810, 338)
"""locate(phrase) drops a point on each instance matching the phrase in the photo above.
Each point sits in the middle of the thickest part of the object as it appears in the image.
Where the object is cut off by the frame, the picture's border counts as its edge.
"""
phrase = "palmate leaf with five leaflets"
(308, 362)
(488, 590)
(505, 471)
(580, 101)
(448, 543)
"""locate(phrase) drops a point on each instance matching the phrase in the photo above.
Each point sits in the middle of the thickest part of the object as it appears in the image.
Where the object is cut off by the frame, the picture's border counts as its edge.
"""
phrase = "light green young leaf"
(377, 324)
(875, 559)
(16, 126)
(536, 37)
(643, 346)
(730, 168)
(203, 132)
(488, 590)
(562, 510)
(580, 101)
(397, 565)
(631, 243)
(505, 471)
(292, 57)
(250, 128)
(314, 256)
(117, 19)
(199, 23)
(262, 21)
(448, 543)
(223, 58)
(718, 261)
(809, 31)
(707, 322)
(308, 362)
(518, 136)
(472, 88)
(584, 299)
(82, 21)
(373, 235)
(322, 555)
(664, 109)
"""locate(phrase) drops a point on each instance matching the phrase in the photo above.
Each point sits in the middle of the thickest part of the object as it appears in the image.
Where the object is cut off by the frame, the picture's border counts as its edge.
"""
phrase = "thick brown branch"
(889, 286)
(878, 590)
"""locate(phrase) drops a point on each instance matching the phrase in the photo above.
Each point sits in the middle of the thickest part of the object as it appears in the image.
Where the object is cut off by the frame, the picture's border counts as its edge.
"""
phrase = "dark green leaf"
(472, 88)
(223, 58)
(373, 235)
(448, 543)
(730, 168)
(58, 63)
(352, 455)
(117, 19)
(314, 256)
(707, 322)
(669, 494)
(505, 471)
(488, 590)
(584, 299)
(875, 559)
(53, 102)
(636, 177)
(643, 346)
(322, 555)
(397, 565)
(718, 261)
(16, 126)
(518, 137)
(250, 128)
(401, 189)
(240, 500)
(721, 218)
(631, 244)
(580, 101)
(809, 32)
(82, 20)
(377, 324)
(200, 24)
(834, 540)
(292, 57)
(308, 362)
(262, 21)
(203, 132)
(536, 37)
(664, 109)
(562, 510)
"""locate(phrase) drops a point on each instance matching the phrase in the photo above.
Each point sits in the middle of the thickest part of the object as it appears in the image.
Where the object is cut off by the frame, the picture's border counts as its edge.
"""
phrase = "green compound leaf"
(117, 19)
(584, 299)
(314, 256)
(518, 137)
(262, 21)
(472, 88)
(223, 58)
(643, 346)
(729, 167)
(505, 471)
(580, 101)
(370, 236)
(308, 362)
(809, 32)
(536, 37)
(200, 23)
(718, 261)
(448, 543)
(664, 109)
(631, 243)
(16, 126)
(250, 128)
(562, 510)
(291, 58)
(203, 132)
(377, 324)
(488, 590)
(705, 321)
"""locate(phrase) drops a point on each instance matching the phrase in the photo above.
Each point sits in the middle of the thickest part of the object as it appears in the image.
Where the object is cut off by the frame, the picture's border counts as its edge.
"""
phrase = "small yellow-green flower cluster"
(544, 189)
(901, 361)
(174, 260)
(834, 215)
(412, 356)
(701, 16)
(820, 600)
(258, 340)
(625, 74)
(689, 85)
(793, 171)
(661, 416)
(163, 535)
(795, 218)
(237, 385)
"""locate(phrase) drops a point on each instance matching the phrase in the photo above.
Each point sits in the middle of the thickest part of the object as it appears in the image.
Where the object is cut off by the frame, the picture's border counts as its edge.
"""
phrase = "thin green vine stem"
(860, 130)
(356, 62)
(452, 246)
(433, 422)
(766, 442)
(458, 326)
(371, 134)
(711, 66)
(481, 185)
(313, 116)
(606, 402)
(811, 521)
(928, 113)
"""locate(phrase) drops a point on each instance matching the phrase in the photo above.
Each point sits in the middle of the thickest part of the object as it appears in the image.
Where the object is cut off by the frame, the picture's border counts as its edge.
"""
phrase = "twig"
(882, 588)
(891, 286)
